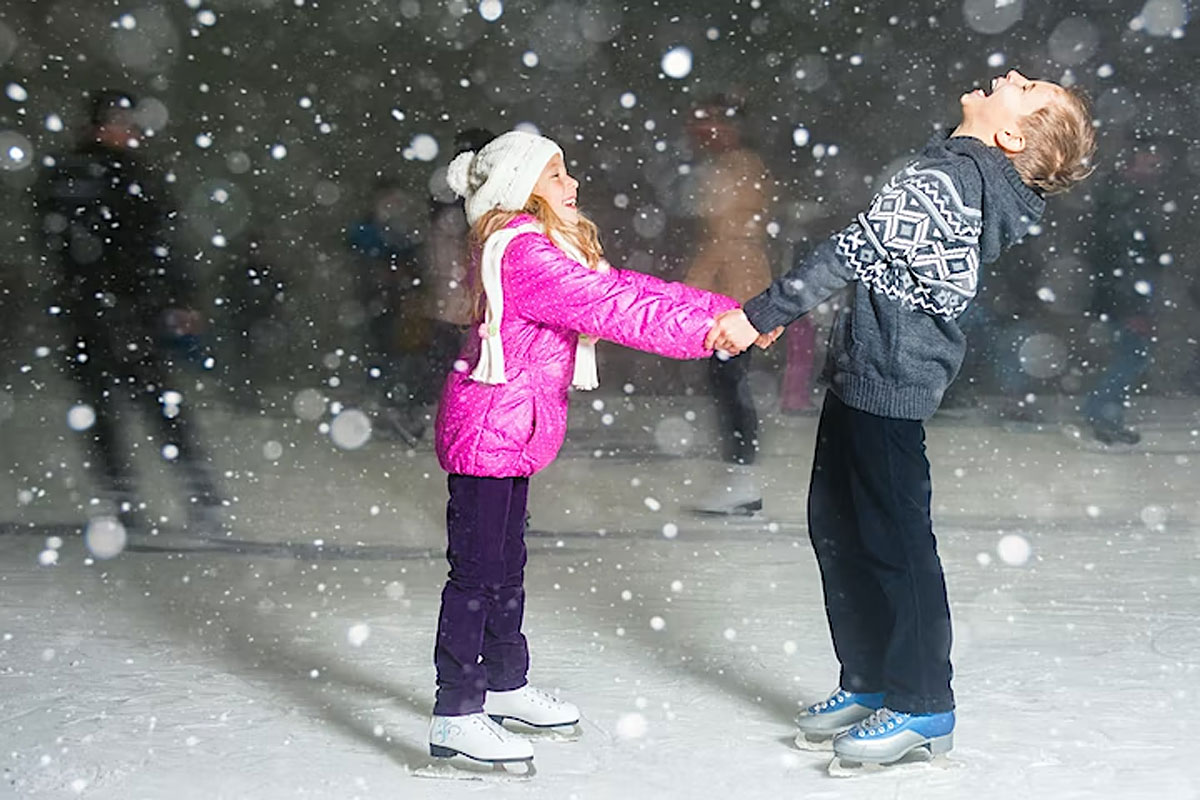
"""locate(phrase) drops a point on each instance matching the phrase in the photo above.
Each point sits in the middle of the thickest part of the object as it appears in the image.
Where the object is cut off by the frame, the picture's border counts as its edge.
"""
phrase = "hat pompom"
(458, 173)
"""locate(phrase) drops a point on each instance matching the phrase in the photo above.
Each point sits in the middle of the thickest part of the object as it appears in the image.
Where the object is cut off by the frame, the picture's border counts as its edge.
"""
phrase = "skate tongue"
(881, 717)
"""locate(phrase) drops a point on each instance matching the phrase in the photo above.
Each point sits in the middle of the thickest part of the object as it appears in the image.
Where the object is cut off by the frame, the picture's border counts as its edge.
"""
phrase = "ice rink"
(293, 658)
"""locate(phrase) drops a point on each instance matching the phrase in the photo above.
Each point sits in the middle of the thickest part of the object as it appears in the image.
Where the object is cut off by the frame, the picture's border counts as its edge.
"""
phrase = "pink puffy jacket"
(516, 428)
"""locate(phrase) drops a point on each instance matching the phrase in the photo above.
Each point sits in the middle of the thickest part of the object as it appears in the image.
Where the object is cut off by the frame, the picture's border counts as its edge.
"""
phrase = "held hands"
(765, 340)
(733, 333)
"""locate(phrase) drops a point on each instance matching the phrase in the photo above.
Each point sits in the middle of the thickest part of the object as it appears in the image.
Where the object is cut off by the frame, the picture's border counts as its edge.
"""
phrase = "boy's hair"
(1060, 143)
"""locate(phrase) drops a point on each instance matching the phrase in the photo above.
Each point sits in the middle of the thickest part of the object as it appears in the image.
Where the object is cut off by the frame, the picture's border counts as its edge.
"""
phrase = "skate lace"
(541, 697)
(494, 728)
(834, 700)
(882, 721)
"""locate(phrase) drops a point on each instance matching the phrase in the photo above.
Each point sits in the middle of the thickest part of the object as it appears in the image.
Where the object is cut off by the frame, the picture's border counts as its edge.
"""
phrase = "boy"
(914, 260)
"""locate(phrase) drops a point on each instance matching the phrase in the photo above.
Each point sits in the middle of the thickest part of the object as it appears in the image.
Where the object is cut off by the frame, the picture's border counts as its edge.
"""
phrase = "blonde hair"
(1060, 143)
(583, 236)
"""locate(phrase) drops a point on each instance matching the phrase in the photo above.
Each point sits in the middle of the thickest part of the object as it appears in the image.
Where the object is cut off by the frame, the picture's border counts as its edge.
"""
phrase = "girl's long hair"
(583, 236)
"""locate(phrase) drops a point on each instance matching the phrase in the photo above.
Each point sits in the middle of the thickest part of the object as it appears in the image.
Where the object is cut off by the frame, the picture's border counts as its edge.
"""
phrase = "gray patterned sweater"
(913, 257)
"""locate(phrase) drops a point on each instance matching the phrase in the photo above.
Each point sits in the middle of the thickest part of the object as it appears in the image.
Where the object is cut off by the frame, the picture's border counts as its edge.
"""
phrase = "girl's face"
(557, 188)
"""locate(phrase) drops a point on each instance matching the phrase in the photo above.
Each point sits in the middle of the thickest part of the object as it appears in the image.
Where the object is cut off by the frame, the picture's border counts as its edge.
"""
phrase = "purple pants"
(480, 646)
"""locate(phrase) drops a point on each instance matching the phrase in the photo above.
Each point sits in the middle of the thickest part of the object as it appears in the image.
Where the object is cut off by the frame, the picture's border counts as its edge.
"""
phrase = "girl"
(544, 290)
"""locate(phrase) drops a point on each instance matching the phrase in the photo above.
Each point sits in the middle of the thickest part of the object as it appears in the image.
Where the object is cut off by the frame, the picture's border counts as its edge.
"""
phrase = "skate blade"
(916, 760)
(743, 511)
(539, 733)
(462, 768)
(813, 742)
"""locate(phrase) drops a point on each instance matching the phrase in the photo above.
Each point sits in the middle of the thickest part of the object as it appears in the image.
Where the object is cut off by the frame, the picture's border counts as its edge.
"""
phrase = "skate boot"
(1112, 432)
(532, 707)
(120, 502)
(403, 424)
(206, 516)
(736, 494)
(887, 736)
(842, 710)
(477, 737)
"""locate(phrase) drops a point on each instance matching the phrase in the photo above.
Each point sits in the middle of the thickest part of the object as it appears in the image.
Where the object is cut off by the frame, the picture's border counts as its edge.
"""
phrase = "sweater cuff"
(764, 315)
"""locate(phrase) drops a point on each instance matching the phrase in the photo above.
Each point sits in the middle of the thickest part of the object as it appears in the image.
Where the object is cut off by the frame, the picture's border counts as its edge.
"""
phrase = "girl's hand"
(732, 333)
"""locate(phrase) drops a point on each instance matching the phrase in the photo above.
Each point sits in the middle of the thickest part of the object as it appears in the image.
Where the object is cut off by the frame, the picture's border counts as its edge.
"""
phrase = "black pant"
(737, 418)
(123, 365)
(885, 594)
(480, 646)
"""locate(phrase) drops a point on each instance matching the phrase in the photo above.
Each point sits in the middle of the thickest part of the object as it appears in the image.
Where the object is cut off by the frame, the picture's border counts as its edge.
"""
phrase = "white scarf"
(490, 368)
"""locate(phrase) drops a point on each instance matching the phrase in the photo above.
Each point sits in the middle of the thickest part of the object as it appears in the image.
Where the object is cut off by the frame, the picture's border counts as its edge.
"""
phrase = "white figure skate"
(479, 738)
(534, 708)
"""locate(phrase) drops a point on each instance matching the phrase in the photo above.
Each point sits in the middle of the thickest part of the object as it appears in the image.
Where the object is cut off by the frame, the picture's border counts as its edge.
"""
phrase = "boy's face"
(996, 116)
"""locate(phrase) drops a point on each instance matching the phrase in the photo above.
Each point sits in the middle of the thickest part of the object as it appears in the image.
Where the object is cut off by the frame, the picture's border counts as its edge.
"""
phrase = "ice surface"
(293, 659)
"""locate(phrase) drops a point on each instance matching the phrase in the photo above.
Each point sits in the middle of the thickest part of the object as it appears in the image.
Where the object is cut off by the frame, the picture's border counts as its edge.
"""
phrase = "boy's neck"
(965, 129)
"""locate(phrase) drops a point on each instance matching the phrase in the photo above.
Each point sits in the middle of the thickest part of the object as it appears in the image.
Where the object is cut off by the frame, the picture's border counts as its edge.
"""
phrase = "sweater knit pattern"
(917, 244)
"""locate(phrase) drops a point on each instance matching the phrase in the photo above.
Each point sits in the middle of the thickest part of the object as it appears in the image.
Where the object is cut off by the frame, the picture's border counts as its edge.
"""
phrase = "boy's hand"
(765, 340)
(733, 333)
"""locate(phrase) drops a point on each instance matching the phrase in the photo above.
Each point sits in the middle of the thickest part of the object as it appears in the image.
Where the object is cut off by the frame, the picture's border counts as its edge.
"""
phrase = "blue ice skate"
(840, 711)
(887, 736)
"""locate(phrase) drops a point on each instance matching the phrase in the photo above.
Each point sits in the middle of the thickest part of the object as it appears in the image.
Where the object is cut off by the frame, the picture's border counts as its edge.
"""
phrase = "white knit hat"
(501, 175)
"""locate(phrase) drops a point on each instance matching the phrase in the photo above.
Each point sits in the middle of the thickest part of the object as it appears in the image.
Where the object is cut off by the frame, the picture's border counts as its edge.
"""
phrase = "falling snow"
(298, 152)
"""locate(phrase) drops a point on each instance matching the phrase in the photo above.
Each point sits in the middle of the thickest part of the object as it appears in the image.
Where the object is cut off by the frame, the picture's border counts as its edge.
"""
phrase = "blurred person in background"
(796, 386)
(1126, 272)
(254, 318)
(995, 332)
(10, 316)
(730, 259)
(107, 222)
(449, 302)
(1191, 381)
(395, 331)
(811, 208)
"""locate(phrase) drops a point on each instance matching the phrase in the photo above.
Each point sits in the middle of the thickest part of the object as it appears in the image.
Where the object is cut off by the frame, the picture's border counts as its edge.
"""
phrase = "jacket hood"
(1009, 206)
